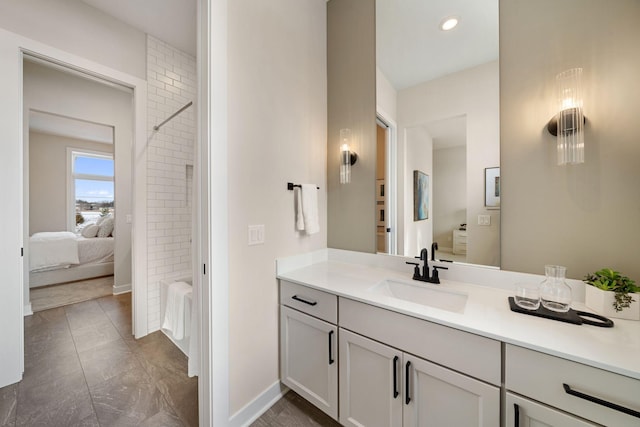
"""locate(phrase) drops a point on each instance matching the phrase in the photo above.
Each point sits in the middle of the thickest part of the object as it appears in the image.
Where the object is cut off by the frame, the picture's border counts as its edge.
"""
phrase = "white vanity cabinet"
(563, 386)
(527, 413)
(370, 382)
(308, 345)
(382, 384)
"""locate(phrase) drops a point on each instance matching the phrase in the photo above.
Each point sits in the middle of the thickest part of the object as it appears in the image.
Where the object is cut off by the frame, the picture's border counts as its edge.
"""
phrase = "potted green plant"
(612, 294)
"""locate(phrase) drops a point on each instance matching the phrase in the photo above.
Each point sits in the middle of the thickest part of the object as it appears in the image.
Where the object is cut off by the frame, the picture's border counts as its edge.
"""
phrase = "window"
(91, 188)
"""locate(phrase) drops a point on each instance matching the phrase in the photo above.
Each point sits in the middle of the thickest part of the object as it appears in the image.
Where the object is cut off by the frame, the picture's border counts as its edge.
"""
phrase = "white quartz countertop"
(487, 314)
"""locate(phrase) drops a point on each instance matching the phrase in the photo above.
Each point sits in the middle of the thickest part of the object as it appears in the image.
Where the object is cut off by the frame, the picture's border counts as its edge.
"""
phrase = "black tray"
(572, 316)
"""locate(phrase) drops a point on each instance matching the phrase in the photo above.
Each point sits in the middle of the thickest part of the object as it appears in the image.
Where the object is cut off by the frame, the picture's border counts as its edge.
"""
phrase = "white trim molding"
(258, 406)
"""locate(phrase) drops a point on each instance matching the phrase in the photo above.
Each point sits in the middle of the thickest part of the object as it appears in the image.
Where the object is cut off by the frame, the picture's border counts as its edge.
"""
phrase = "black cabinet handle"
(599, 401)
(516, 410)
(331, 348)
(407, 398)
(297, 298)
(395, 377)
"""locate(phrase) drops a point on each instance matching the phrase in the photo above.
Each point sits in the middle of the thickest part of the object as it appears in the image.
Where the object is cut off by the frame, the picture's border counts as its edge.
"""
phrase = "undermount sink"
(424, 294)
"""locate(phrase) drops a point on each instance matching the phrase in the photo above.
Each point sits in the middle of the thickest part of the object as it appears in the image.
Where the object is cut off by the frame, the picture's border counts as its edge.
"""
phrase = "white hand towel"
(174, 317)
(299, 216)
(310, 208)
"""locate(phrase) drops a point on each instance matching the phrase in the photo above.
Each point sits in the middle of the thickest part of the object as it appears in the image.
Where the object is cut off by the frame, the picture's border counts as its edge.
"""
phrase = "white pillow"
(102, 218)
(106, 228)
(90, 230)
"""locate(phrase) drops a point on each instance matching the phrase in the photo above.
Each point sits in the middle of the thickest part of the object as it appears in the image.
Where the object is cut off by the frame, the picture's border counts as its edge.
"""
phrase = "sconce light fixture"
(347, 157)
(568, 124)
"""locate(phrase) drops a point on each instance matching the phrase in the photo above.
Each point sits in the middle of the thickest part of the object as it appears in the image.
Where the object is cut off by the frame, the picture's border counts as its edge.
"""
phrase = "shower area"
(171, 130)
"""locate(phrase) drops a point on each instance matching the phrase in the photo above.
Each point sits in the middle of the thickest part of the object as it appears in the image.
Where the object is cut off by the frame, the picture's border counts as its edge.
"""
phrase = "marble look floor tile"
(8, 402)
(46, 297)
(127, 399)
(48, 316)
(64, 401)
(47, 346)
(293, 411)
(94, 335)
(116, 303)
(106, 361)
(164, 419)
(182, 394)
(48, 368)
(84, 314)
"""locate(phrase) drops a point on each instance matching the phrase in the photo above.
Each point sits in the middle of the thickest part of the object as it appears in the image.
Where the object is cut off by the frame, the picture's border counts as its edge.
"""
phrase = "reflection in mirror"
(439, 91)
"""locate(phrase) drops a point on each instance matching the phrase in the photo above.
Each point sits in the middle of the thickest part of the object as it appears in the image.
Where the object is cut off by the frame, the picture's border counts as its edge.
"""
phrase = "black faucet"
(424, 277)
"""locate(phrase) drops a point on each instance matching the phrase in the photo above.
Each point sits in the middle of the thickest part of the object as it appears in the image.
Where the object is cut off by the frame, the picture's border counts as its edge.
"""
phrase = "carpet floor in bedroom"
(52, 296)
(84, 368)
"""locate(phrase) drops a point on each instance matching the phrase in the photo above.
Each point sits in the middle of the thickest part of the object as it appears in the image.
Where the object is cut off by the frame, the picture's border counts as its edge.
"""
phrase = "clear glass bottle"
(555, 294)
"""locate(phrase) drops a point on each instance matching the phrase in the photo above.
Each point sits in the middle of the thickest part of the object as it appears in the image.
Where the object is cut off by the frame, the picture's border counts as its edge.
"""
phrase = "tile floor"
(293, 411)
(84, 368)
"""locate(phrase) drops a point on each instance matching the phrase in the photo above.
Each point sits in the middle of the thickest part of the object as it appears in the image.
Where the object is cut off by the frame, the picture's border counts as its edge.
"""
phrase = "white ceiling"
(411, 48)
(172, 21)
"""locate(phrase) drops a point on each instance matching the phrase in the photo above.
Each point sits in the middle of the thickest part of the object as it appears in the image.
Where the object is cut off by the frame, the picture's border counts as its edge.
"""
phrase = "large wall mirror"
(437, 96)
(582, 216)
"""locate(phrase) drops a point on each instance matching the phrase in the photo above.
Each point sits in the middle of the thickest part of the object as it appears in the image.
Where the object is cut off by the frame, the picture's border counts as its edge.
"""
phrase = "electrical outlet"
(256, 235)
(484, 219)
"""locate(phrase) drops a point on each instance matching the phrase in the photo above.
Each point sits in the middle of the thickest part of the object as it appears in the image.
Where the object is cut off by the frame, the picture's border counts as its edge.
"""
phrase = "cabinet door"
(370, 382)
(527, 413)
(437, 396)
(308, 359)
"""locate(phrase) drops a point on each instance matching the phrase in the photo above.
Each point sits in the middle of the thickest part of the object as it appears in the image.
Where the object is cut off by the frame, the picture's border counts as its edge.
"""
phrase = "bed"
(58, 257)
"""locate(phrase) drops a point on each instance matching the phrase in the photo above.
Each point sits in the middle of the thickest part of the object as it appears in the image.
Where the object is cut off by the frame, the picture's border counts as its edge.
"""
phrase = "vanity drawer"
(311, 301)
(545, 378)
(461, 351)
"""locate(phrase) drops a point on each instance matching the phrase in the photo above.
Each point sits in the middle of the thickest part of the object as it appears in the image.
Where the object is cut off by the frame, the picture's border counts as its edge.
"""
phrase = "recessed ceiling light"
(449, 23)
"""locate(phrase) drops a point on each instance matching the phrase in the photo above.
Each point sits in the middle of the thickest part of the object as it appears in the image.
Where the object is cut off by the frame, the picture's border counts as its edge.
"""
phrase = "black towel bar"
(291, 186)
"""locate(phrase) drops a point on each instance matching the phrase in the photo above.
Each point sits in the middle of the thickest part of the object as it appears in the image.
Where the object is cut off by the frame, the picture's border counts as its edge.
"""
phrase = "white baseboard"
(121, 289)
(258, 406)
(27, 310)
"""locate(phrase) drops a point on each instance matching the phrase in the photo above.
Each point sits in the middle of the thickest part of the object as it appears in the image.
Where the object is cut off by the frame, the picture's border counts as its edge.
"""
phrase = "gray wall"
(351, 81)
(583, 216)
(48, 179)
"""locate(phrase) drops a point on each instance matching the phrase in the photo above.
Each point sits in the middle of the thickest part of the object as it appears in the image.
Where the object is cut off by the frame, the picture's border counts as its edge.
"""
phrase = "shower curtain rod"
(157, 127)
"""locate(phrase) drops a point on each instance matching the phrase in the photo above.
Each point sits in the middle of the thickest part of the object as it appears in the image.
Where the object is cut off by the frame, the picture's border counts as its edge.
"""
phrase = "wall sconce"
(347, 157)
(568, 124)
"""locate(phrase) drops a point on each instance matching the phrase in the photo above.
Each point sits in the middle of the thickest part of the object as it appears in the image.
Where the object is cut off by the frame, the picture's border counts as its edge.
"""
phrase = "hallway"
(84, 368)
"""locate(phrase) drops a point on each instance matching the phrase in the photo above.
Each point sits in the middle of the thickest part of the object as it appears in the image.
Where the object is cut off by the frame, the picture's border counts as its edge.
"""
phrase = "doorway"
(78, 135)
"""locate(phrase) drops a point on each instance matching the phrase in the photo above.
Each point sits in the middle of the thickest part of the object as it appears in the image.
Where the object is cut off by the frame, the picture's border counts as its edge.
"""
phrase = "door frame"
(391, 174)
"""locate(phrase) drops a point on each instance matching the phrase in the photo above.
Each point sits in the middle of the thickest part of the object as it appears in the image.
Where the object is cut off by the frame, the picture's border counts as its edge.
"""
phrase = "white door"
(436, 396)
(527, 413)
(308, 359)
(370, 382)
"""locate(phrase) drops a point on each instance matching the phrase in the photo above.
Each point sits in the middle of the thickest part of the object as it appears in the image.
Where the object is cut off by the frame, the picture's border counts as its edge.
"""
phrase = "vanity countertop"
(486, 313)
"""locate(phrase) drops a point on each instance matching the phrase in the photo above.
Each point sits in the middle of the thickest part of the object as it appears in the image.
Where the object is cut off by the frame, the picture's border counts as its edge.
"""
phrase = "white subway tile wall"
(171, 83)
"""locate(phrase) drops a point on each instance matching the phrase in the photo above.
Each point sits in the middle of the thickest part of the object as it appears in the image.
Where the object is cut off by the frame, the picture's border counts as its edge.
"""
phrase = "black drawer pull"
(599, 401)
(395, 377)
(331, 348)
(407, 398)
(297, 298)
(516, 410)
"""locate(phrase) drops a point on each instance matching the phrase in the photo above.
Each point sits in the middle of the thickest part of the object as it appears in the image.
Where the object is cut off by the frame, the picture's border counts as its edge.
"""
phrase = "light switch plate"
(484, 219)
(256, 234)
